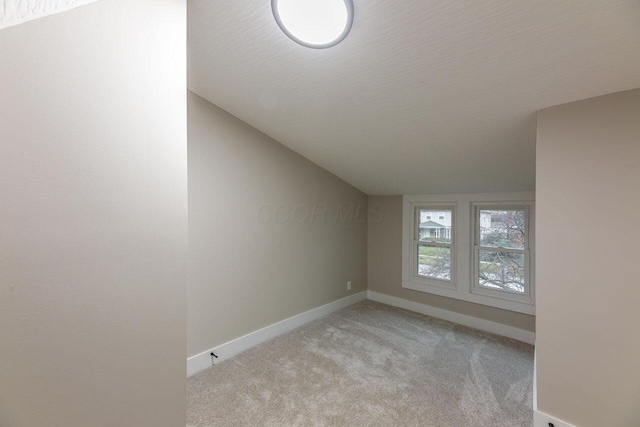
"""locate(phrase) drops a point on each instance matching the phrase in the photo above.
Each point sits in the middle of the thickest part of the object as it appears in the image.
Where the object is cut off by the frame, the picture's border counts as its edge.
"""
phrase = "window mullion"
(433, 244)
(507, 250)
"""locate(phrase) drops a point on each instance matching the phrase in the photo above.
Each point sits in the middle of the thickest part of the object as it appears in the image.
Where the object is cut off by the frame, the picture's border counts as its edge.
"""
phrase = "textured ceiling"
(14, 12)
(423, 96)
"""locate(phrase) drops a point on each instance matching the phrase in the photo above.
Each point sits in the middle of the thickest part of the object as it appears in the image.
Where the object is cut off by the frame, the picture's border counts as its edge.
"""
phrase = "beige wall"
(248, 269)
(385, 267)
(93, 217)
(588, 294)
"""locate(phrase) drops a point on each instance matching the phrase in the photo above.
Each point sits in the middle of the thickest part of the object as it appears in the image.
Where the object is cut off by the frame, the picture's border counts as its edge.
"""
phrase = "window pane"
(434, 226)
(502, 228)
(502, 271)
(434, 262)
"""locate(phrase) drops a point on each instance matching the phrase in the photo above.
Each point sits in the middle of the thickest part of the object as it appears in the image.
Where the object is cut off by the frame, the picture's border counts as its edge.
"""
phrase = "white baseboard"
(540, 419)
(204, 360)
(462, 319)
(535, 380)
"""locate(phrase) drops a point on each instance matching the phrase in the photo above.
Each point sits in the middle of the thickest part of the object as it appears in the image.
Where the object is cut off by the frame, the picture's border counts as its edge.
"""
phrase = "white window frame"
(528, 208)
(463, 227)
(431, 281)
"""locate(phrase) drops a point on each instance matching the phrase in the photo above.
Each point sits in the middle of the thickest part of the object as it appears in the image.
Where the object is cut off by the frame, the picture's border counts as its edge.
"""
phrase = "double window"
(459, 247)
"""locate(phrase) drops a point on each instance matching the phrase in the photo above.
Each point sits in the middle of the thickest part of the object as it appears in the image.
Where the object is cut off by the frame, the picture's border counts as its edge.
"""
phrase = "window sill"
(496, 301)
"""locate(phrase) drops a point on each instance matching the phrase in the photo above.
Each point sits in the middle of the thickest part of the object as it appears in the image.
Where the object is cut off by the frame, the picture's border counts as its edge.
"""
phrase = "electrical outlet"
(349, 285)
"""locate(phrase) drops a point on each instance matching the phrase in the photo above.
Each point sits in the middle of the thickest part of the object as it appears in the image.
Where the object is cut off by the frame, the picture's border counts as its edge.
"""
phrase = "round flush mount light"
(314, 23)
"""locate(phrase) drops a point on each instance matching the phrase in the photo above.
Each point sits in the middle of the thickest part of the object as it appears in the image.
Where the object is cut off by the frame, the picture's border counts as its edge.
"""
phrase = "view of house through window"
(434, 240)
(473, 247)
(501, 249)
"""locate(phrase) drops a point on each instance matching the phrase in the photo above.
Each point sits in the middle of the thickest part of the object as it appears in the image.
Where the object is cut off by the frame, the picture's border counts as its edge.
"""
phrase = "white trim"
(451, 316)
(535, 381)
(204, 360)
(540, 419)
(462, 248)
(227, 350)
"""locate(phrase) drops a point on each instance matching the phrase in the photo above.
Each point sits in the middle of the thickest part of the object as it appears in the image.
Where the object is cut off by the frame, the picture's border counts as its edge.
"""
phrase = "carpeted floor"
(370, 365)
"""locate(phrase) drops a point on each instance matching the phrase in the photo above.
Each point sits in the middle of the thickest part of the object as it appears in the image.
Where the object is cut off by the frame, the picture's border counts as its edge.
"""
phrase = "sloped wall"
(93, 217)
(271, 234)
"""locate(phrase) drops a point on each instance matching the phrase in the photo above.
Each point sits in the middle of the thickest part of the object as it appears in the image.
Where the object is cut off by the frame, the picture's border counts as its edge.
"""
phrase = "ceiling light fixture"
(314, 23)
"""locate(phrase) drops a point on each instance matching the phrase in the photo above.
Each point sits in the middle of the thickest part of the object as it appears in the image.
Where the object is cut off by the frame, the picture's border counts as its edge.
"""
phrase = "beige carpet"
(370, 365)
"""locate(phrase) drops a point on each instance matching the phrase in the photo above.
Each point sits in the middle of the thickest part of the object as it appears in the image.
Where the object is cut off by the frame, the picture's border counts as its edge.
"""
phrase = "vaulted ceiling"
(423, 96)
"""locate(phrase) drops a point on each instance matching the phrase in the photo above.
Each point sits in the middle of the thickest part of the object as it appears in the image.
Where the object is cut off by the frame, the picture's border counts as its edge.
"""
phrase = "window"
(433, 243)
(501, 251)
(473, 247)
